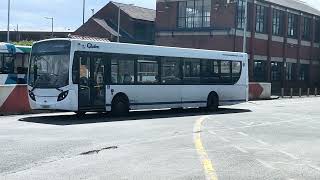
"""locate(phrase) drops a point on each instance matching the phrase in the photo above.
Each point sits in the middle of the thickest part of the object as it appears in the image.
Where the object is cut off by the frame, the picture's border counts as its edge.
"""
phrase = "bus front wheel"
(120, 106)
(213, 102)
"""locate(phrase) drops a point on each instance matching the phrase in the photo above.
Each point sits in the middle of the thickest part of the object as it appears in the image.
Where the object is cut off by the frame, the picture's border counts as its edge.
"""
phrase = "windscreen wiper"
(35, 85)
(59, 89)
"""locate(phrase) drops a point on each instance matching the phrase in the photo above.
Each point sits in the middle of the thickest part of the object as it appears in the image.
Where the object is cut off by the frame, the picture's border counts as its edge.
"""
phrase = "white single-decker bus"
(94, 76)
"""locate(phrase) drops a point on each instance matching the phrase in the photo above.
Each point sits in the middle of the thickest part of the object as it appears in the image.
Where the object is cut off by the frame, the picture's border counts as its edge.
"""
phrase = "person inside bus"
(127, 79)
(8, 65)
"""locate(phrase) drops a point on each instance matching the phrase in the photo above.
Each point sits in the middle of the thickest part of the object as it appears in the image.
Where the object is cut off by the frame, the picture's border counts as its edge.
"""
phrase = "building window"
(259, 71)
(290, 69)
(194, 14)
(306, 29)
(276, 68)
(277, 22)
(317, 34)
(292, 25)
(261, 23)
(304, 72)
(241, 14)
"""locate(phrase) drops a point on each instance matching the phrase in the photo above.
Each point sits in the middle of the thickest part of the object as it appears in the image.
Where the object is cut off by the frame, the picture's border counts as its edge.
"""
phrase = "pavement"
(278, 139)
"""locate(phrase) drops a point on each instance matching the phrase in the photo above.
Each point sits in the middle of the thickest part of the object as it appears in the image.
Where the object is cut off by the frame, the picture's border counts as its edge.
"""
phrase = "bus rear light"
(32, 96)
(63, 95)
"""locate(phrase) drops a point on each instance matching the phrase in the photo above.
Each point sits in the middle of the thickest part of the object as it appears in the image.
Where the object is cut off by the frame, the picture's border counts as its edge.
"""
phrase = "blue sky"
(29, 14)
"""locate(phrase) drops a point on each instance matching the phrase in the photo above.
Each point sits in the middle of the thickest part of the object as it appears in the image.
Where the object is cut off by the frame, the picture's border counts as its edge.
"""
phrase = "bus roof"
(7, 48)
(152, 50)
(23, 49)
(12, 49)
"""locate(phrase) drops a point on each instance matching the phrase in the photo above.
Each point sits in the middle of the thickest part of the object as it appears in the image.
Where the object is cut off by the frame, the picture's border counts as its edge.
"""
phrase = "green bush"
(24, 43)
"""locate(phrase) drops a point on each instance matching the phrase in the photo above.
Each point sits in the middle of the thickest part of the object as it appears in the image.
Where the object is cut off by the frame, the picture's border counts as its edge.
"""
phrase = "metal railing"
(299, 92)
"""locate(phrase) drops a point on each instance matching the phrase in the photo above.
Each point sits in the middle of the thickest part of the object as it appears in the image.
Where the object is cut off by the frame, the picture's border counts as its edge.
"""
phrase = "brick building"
(136, 24)
(282, 35)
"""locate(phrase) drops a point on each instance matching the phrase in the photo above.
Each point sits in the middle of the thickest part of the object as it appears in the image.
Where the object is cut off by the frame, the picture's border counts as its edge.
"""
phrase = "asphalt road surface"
(277, 139)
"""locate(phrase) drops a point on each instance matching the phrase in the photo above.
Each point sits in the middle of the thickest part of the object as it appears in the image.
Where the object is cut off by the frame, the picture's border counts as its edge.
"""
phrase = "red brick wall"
(261, 47)
(166, 15)
(276, 49)
(223, 17)
(198, 42)
(305, 52)
(292, 51)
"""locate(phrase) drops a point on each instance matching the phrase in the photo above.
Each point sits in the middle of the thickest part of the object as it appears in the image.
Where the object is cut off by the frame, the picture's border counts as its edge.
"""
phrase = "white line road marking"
(241, 149)
(265, 164)
(243, 134)
(288, 154)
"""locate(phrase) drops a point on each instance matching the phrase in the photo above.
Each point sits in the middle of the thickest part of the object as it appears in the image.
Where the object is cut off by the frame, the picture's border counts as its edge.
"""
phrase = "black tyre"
(120, 106)
(213, 102)
(80, 114)
(177, 109)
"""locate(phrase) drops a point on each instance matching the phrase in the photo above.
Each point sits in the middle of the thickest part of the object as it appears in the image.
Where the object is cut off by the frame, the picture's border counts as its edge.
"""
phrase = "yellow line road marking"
(206, 162)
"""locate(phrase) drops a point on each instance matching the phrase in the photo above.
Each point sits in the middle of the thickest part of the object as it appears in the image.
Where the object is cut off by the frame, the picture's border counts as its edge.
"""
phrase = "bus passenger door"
(84, 82)
(91, 83)
(98, 82)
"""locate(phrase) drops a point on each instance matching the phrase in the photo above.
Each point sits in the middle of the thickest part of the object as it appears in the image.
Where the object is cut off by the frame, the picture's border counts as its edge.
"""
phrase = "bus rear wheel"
(120, 106)
(213, 102)
(80, 114)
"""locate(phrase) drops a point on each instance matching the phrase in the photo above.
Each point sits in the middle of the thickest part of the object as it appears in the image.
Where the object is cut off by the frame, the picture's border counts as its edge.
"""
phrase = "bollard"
(308, 92)
(282, 92)
(315, 91)
(300, 92)
(291, 92)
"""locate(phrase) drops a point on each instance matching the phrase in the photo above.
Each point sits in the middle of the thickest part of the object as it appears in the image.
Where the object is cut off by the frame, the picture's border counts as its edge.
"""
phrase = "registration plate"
(45, 106)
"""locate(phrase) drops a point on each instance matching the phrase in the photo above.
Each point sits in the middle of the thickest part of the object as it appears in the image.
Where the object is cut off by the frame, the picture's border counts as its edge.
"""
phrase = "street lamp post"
(8, 33)
(51, 18)
(245, 26)
(83, 10)
(119, 19)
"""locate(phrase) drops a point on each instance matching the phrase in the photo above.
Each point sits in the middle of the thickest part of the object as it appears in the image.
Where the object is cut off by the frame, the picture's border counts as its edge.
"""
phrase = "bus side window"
(18, 65)
(226, 71)
(122, 69)
(191, 71)
(148, 69)
(8, 64)
(236, 71)
(210, 71)
(1, 63)
(171, 73)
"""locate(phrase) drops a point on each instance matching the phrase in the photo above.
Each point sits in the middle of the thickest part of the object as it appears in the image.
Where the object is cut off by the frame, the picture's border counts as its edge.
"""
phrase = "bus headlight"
(63, 95)
(32, 96)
